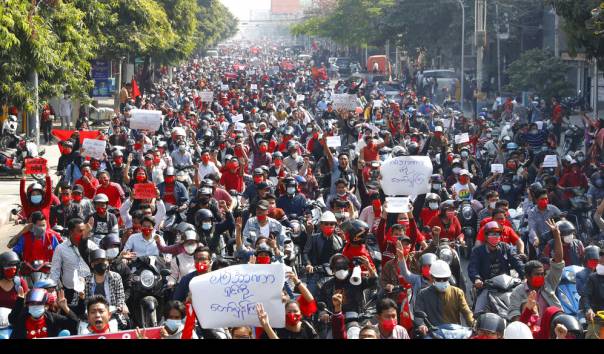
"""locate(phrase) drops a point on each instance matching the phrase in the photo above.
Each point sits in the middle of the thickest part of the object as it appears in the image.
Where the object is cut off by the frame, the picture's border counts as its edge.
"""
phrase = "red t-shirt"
(508, 235)
(169, 194)
(450, 232)
(351, 251)
(114, 192)
(232, 180)
(427, 214)
(9, 298)
(89, 188)
(35, 328)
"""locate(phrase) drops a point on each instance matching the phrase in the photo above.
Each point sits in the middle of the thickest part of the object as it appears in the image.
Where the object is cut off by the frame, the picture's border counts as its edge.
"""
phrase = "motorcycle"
(580, 209)
(573, 137)
(148, 284)
(5, 327)
(449, 254)
(9, 137)
(468, 219)
(568, 294)
(35, 271)
(443, 331)
(499, 290)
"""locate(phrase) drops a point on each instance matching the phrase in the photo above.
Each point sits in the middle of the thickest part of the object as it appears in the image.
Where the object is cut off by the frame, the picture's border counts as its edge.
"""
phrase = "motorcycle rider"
(538, 216)
(38, 243)
(203, 264)
(68, 209)
(183, 263)
(105, 282)
(262, 225)
(10, 283)
(172, 192)
(88, 181)
(573, 248)
(340, 168)
(592, 257)
(447, 221)
(438, 186)
(210, 229)
(143, 243)
(575, 178)
(592, 299)
(291, 202)
(491, 199)
(356, 233)
(37, 198)
(111, 245)
(489, 326)
(104, 223)
(508, 235)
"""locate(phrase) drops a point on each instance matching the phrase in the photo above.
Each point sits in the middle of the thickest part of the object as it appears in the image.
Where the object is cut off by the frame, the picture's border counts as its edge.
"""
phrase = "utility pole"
(481, 39)
(463, 54)
(498, 48)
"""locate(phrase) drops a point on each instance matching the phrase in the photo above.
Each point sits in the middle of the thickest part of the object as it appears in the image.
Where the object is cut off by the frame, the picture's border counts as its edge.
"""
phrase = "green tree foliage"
(215, 23)
(541, 72)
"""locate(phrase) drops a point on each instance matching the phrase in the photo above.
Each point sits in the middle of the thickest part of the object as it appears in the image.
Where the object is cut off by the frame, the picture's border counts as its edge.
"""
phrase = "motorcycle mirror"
(164, 272)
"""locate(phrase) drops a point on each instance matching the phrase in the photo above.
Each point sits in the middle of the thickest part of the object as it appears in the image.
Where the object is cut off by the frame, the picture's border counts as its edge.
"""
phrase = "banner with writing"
(345, 101)
(206, 96)
(148, 333)
(94, 148)
(35, 166)
(406, 175)
(145, 191)
(145, 119)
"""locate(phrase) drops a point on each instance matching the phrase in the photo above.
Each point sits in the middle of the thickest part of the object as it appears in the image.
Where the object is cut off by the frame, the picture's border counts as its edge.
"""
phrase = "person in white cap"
(464, 189)
(441, 302)
(517, 330)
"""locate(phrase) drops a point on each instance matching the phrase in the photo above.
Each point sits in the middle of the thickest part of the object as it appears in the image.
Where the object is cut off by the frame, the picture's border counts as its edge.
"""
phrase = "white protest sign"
(227, 297)
(300, 98)
(373, 128)
(224, 87)
(145, 119)
(333, 141)
(237, 118)
(206, 96)
(240, 126)
(462, 138)
(397, 204)
(448, 123)
(406, 175)
(496, 168)
(78, 283)
(94, 148)
(550, 161)
(344, 101)
(539, 124)
(377, 104)
(253, 86)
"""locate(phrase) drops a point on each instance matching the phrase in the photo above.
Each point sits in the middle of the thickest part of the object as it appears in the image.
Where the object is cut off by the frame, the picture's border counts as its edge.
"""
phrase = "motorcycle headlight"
(571, 276)
(147, 278)
(446, 255)
(466, 212)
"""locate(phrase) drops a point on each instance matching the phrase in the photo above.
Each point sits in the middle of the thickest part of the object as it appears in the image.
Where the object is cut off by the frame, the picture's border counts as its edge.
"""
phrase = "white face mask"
(441, 285)
(190, 249)
(600, 269)
(436, 186)
(112, 252)
(206, 226)
(433, 206)
(492, 205)
(341, 274)
(456, 170)
(291, 190)
(568, 239)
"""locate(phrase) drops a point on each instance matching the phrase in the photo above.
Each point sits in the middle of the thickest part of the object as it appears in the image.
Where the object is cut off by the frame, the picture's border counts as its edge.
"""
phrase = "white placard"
(550, 161)
(397, 204)
(447, 123)
(344, 101)
(227, 297)
(496, 168)
(253, 86)
(94, 148)
(300, 98)
(539, 124)
(79, 283)
(145, 119)
(206, 96)
(406, 175)
(373, 128)
(377, 104)
(237, 118)
(224, 87)
(251, 72)
(240, 126)
(462, 138)
(333, 141)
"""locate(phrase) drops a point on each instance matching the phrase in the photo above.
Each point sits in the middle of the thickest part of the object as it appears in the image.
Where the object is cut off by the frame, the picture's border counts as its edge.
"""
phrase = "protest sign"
(333, 141)
(406, 175)
(253, 86)
(377, 104)
(145, 191)
(462, 138)
(496, 168)
(344, 101)
(550, 161)
(373, 128)
(145, 119)
(94, 148)
(397, 204)
(148, 333)
(300, 98)
(539, 124)
(237, 118)
(206, 96)
(227, 297)
(35, 166)
(224, 87)
(448, 123)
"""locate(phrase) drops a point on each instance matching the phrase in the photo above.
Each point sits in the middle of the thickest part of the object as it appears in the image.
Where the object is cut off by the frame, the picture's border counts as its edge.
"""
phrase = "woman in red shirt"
(232, 176)
(448, 222)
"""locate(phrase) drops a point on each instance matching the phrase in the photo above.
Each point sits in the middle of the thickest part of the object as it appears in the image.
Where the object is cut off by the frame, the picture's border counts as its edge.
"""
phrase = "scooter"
(35, 271)
(443, 331)
(148, 286)
(568, 294)
(5, 327)
(468, 219)
(499, 290)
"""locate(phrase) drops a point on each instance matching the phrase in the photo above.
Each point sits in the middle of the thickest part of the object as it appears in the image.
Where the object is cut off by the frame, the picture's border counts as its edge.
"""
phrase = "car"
(391, 89)
(343, 65)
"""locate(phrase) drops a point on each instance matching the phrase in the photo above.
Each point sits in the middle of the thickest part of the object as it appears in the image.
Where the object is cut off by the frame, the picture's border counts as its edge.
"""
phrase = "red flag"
(63, 135)
(187, 331)
(135, 91)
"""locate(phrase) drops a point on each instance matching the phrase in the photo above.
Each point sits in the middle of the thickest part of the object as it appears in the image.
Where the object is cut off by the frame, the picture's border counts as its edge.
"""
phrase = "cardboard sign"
(206, 96)
(496, 168)
(94, 148)
(237, 118)
(145, 191)
(333, 141)
(228, 297)
(377, 104)
(397, 204)
(344, 101)
(253, 86)
(35, 166)
(148, 333)
(550, 161)
(462, 138)
(145, 119)
(224, 87)
(406, 175)
(300, 98)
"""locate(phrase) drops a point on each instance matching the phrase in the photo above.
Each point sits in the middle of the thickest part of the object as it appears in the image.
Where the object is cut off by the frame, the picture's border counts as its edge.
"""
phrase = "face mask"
(9, 273)
(388, 325)
(112, 252)
(77, 198)
(65, 199)
(600, 269)
(464, 154)
(36, 199)
(182, 148)
(327, 230)
(205, 159)
(436, 186)
(441, 285)
(258, 179)
(292, 319)
(537, 282)
(309, 130)
(189, 249)
(456, 170)
(341, 274)
(140, 178)
(172, 325)
(294, 155)
(506, 187)
(433, 206)
(263, 148)
(261, 218)
(52, 298)
(263, 260)
(542, 203)
(291, 190)
(533, 131)
(38, 231)
(464, 180)
(592, 264)
(426, 271)
(450, 214)
(206, 226)
(493, 240)
(277, 163)
(568, 239)
(101, 210)
(100, 268)
(147, 231)
(36, 311)
(492, 205)
(170, 179)
(201, 267)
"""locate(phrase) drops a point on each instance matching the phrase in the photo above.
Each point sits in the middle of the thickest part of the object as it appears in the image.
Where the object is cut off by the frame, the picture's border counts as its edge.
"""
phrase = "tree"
(215, 23)
(541, 72)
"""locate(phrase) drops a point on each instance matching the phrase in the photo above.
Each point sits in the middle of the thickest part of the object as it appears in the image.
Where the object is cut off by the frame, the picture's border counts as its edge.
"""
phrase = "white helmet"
(517, 330)
(178, 131)
(328, 216)
(101, 198)
(440, 269)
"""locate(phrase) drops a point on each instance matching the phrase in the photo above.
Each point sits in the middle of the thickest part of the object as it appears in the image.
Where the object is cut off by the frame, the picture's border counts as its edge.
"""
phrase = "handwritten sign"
(224, 87)
(237, 118)
(397, 204)
(149, 333)
(462, 138)
(377, 104)
(300, 98)
(550, 161)
(344, 101)
(94, 148)
(448, 123)
(35, 166)
(145, 191)
(253, 86)
(496, 168)
(206, 96)
(228, 297)
(333, 141)
(406, 175)
(145, 119)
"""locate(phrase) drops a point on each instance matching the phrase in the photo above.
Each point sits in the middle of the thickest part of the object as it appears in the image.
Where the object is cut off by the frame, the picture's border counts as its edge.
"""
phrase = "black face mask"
(100, 268)
(204, 200)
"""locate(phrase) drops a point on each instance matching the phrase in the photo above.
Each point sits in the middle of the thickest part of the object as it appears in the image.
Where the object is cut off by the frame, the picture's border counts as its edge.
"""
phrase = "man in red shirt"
(508, 234)
(573, 179)
(557, 118)
(88, 182)
(232, 176)
(37, 243)
(112, 190)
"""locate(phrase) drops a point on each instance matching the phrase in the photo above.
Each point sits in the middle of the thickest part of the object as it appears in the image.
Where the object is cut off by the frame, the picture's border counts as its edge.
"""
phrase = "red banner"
(35, 166)
(148, 333)
(145, 191)
(63, 135)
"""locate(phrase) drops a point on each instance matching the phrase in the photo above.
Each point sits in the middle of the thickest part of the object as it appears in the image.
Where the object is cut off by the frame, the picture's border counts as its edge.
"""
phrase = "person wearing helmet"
(102, 279)
(355, 232)
(489, 260)
(104, 223)
(210, 229)
(342, 193)
(430, 209)
(277, 170)
(206, 166)
(261, 155)
(573, 179)
(30, 318)
(202, 257)
(438, 140)
(464, 189)
(292, 202)
(592, 296)
(112, 245)
(288, 135)
(489, 326)
(438, 186)
(251, 189)
(204, 200)
(172, 192)
(181, 156)
(517, 330)
(88, 181)
(11, 284)
(574, 251)
(263, 225)
(294, 161)
(447, 221)
(540, 285)
(508, 235)
(36, 198)
(442, 303)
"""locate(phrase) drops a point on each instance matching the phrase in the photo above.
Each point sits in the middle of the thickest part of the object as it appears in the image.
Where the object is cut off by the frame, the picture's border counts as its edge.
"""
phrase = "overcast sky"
(241, 8)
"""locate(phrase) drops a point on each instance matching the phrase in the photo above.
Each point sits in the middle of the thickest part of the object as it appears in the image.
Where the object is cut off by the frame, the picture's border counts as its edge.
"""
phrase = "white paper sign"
(373, 128)
(447, 123)
(224, 87)
(300, 98)
(240, 126)
(344, 101)
(377, 104)
(78, 282)
(228, 297)
(397, 204)
(145, 119)
(406, 175)
(550, 161)
(94, 148)
(253, 86)
(237, 118)
(333, 141)
(206, 96)
(496, 168)
(462, 138)
(539, 124)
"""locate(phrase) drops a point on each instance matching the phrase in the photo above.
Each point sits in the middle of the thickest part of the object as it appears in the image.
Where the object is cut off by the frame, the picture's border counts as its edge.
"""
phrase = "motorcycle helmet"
(37, 296)
(45, 284)
(100, 198)
(566, 228)
(110, 241)
(490, 322)
(492, 227)
(511, 147)
(398, 151)
(9, 259)
(412, 148)
(447, 205)
(36, 187)
(203, 215)
(263, 248)
(97, 254)
(432, 201)
(440, 269)
(592, 256)
(517, 330)
(571, 323)
(425, 261)
(208, 183)
(355, 230)
(169, 172)
(597, 179)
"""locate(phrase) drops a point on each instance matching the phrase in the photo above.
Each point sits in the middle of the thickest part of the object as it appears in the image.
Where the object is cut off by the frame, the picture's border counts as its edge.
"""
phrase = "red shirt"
(35, 328)
(9, 298)
(232, 180)
(351, 251)
(427, 214)
(508, 235)
(89, 187)
(169, 194)
(44, 207)
(114, 192)
(450, 232)
(37, 249)
(571, 179)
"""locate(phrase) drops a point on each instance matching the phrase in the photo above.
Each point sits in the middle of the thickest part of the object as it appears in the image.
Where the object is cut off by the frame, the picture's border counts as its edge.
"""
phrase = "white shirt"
(137, 244)
(180, 268)
(65, 107)
(160, 214)
(368, 216)
(66, 261)
(205, 170)
(463, 191)
(265, 230)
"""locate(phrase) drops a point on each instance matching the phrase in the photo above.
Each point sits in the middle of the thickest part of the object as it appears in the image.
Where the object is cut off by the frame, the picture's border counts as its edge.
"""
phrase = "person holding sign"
(37, 198)
(295, 326)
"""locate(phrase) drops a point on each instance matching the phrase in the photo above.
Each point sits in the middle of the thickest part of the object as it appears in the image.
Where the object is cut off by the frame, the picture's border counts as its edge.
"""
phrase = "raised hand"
(262, 316)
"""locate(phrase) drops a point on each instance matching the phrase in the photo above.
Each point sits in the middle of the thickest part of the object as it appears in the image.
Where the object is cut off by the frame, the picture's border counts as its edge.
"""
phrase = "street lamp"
(463, 38)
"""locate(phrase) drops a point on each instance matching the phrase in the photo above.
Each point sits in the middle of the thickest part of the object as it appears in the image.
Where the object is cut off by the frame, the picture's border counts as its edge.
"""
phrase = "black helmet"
(490, 322)
(339, 259)
(427, 259)
(203, 215)
(436, 178)
(263, 248)
(535, 188)
(566, 228)
(412, 148)
(571, 323)
(289, 182)
(592, 252)
(447, 204)
(9, 259)
(110, 241)
(97, 254)
(355, 229)
(208, 183)
(432, 197)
